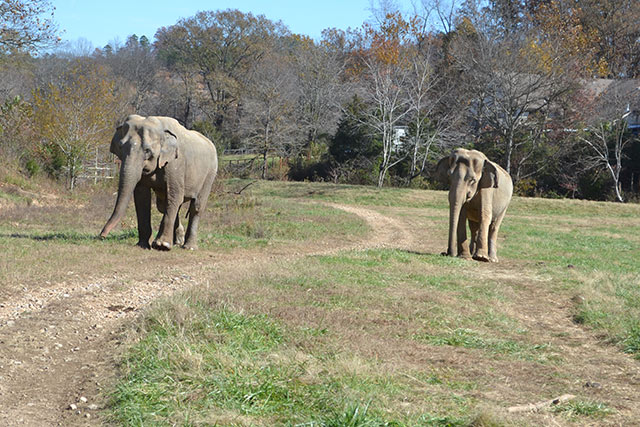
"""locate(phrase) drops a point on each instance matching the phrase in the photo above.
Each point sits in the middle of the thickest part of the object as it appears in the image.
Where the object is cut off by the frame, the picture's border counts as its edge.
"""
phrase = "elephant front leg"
(485, 216)
(164, 240)
(473, 226)
(463, 241)
(142, 201)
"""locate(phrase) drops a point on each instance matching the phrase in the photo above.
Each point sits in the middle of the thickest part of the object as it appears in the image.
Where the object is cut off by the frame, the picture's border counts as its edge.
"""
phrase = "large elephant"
(480, 191)
(179, 165)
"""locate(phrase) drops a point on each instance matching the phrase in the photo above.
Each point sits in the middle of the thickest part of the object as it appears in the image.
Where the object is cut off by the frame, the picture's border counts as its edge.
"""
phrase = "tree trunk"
(264, 164)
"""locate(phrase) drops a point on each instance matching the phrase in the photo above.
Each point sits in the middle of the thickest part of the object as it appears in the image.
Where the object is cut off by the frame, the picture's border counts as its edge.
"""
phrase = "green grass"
(246, 222)
(308, 373)
(39, 235)
(576, 409)
(349, 194)
(219, 365)
(592, 258)
(385, 336)
(469, 338)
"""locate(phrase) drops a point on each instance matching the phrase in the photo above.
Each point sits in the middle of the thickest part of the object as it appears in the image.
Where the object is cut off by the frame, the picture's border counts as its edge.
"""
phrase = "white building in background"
(399, 135)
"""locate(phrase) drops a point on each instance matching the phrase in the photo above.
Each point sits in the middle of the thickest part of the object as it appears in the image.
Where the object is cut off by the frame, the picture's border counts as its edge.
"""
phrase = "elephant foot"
(447, 253)
(484, 258)
(179, 236)
(143, 244)
(192, 246)
(161, 246)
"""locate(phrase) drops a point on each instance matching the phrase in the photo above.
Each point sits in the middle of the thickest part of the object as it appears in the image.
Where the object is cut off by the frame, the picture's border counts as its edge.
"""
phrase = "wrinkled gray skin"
(479, 191)
(179, 165)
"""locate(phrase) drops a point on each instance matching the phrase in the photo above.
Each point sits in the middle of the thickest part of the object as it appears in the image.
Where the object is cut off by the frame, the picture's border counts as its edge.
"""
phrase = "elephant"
(179, 165)
(480, 191)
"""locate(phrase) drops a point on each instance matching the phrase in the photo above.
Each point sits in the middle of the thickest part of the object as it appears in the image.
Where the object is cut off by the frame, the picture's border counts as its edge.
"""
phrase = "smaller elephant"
(178, 164)
(479, 191)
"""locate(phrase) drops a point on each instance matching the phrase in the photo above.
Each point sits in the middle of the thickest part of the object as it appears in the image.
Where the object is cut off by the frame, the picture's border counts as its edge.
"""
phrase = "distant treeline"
(545, 88)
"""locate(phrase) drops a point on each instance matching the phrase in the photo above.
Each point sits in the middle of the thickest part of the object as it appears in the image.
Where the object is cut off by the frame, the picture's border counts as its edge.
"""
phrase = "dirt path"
(57, 343)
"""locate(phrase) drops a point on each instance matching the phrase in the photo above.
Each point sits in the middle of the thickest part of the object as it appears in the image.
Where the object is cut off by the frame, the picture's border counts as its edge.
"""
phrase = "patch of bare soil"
(59, 343)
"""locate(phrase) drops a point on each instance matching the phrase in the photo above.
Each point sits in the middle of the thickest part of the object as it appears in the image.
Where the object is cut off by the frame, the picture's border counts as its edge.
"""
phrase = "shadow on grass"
(72, 236)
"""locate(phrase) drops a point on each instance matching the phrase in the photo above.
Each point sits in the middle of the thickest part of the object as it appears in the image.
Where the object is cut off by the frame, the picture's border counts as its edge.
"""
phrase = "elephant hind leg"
(178, 230)
(196, 207)
(493, 237)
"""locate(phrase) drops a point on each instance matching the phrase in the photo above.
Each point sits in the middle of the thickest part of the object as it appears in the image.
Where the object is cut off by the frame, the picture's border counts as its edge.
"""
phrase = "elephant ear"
(116, 142)
(442, 170)
(489, 175)
(169, 150)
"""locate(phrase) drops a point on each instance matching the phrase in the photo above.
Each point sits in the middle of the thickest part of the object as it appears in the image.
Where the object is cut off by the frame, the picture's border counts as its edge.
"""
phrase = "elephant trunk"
(129, 177)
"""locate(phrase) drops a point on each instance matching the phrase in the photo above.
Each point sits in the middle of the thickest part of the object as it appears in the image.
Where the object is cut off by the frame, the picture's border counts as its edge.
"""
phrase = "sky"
(101, 22)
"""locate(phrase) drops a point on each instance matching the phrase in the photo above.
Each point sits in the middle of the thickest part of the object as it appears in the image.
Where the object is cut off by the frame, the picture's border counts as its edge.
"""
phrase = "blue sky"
(101, 22)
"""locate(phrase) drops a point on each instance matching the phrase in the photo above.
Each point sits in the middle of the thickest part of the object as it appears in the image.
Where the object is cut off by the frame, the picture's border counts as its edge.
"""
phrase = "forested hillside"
(545, 88)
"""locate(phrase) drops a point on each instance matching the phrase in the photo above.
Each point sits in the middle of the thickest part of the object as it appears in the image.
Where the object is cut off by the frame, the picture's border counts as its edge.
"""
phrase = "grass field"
(304, 313)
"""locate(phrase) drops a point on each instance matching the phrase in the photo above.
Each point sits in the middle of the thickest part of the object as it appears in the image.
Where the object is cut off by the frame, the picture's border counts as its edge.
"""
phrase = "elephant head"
(143, 146)
(466, 172)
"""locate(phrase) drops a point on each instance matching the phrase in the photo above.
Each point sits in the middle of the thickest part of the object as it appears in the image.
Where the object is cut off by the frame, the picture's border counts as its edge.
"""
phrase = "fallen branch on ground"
(241, 190)
(532, 407)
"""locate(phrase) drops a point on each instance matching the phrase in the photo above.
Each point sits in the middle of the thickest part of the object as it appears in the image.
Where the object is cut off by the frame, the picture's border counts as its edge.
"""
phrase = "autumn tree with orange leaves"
(76, 117)
(26, 25)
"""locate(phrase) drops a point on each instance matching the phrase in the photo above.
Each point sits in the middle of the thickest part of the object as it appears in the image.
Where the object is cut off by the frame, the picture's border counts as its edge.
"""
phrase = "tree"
(384, 73)
(136, 65)
(613, 25)
(320, 89)
(515, 78)
(605, 133)
(268, 120)
(16, 129)
(434, 113)
(76, 116)
(24, 27)
(353, 139)
(221, 47)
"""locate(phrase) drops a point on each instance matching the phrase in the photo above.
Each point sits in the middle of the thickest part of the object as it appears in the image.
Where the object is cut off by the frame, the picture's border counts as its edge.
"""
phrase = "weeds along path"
(58, 343)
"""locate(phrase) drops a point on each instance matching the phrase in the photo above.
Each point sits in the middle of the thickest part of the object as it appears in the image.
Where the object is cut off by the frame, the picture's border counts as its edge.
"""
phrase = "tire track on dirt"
(58, 342)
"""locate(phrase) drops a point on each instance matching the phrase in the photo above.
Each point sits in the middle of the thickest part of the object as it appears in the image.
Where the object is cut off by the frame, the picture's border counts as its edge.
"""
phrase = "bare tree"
(135, 64)
(384, 74)
(433, 111)
(513, 85)
(320, 88)
(605, 133)
(268, 120)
